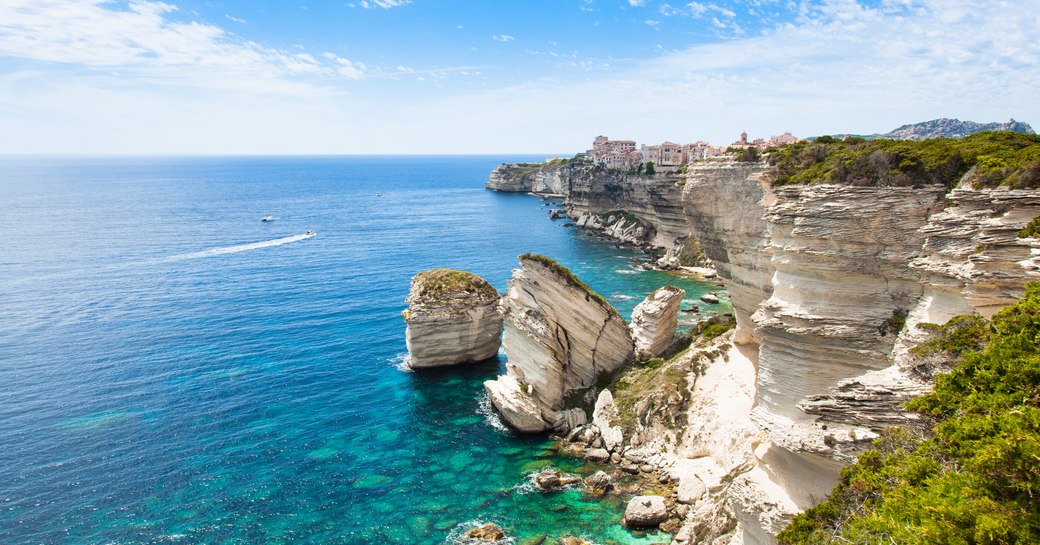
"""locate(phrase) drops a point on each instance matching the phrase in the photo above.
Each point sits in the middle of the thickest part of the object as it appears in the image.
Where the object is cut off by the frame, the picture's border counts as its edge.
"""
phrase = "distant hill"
(949, 128)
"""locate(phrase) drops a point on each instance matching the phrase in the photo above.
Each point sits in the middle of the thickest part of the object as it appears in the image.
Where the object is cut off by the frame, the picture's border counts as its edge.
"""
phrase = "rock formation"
(560, 338)
(654, 321)
(452, 318)
(830, 286)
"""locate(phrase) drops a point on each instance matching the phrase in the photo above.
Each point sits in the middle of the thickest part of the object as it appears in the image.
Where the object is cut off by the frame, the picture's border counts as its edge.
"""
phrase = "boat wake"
(241, 247)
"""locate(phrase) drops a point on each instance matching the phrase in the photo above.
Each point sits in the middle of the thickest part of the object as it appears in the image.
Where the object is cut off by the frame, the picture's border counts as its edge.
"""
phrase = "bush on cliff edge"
(989, 158)
(973, 477)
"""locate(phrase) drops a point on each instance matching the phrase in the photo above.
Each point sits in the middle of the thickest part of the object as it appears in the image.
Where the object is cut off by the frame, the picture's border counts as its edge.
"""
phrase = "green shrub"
(1031, 230)
(992, 159)
(442, 282)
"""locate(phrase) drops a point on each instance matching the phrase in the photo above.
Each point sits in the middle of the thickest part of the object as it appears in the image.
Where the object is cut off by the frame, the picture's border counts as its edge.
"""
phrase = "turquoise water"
(173, 370)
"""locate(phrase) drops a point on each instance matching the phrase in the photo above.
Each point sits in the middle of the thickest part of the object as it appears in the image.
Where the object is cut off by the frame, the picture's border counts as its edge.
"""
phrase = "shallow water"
(173, 370)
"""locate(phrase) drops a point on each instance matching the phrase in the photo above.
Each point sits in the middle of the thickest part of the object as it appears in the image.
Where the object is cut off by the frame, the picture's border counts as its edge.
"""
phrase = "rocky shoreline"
(831, 285)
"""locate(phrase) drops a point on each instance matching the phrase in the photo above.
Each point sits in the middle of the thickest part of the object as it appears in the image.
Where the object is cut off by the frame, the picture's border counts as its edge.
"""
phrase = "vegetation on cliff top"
(568, 277)
(990, 158)
(444, 282)
(973, 477)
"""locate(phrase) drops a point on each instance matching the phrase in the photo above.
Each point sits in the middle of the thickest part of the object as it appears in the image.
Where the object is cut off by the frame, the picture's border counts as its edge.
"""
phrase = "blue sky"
(425, 76)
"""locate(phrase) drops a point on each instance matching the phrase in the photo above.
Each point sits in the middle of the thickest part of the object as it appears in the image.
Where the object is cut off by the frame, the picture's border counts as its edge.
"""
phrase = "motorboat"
(310, 233)
(268, 218)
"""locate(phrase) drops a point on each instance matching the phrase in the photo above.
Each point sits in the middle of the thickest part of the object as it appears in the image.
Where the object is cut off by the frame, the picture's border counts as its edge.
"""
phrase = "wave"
(240, 247)
(491, 416)
(400, 362)
(627, 271)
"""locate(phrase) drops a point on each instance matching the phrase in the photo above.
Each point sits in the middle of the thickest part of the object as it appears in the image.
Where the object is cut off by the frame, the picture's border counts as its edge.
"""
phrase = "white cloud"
(385, 4)
(349, 69)
(846, 67)
(84, 76)
(636, 3)
(651, 22)
(238, 20)
(503, 38)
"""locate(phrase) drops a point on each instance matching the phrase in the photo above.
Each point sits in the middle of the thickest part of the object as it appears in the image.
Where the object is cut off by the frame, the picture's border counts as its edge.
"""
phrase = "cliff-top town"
(623, 154)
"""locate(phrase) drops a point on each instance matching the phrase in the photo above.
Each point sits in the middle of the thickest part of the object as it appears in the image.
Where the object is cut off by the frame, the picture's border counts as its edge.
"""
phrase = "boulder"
(605, 417)
(597, 455)
(551, 479)
(598, 483)
(515, 404)
(487, 532)
(690, 489)
(452, 318)
(654, 321)
(710, 298)
(570, 540)
(645, 512)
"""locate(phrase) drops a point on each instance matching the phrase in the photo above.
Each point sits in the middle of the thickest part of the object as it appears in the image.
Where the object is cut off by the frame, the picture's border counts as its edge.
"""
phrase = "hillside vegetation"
(990, 159)
(973, 475)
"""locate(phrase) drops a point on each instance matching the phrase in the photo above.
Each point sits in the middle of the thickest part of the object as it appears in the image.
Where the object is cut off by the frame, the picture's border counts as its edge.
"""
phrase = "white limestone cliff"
(560, 338)
(452, 318)
(828, 284)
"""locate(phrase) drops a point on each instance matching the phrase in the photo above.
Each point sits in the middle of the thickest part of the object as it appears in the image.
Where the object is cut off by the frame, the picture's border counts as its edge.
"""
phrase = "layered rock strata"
(452, 318)
(560, 338)
(638, 209)
(828, 284)
(725, 206)
(654, 321)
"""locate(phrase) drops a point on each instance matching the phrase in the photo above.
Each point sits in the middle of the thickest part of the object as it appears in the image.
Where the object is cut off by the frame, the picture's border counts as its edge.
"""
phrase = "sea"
(175, 371)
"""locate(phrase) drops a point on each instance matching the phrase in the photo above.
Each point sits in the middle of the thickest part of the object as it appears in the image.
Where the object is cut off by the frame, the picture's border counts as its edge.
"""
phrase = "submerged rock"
(560, 338)
(654, 321)
(645, 512)
(452, 318)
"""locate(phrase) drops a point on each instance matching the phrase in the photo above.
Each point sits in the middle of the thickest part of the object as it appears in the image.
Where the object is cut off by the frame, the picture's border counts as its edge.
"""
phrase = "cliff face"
(452, 318)
(645, 209)
(828, 284)
(725, 205)
(538, 178)
(559, 340)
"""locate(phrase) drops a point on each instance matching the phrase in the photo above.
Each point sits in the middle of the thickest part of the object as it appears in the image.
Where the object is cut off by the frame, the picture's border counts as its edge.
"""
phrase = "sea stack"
(452, 319)
(654, 321)
(560, 338)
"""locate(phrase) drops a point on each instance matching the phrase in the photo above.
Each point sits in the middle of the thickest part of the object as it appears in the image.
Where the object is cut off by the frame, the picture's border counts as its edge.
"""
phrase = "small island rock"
(452, 318)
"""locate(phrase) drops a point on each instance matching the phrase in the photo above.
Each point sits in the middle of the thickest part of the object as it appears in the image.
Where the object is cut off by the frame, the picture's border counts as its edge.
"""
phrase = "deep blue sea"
(174, 370)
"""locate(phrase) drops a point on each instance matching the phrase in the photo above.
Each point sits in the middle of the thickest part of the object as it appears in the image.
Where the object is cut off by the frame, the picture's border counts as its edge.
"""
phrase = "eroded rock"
(654, 321)
(560, 338)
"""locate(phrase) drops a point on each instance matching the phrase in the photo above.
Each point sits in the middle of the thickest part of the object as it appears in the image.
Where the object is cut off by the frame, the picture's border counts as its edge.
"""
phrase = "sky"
(497, 76)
